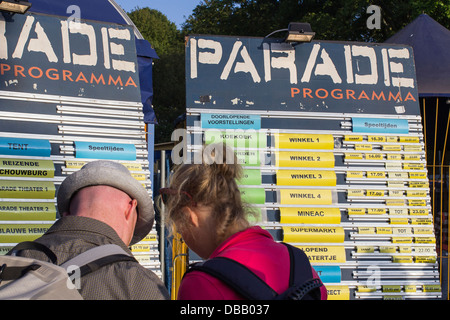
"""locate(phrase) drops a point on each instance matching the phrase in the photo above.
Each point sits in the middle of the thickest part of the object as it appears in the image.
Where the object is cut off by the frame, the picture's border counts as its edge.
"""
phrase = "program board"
(69, 94)
(330, 138)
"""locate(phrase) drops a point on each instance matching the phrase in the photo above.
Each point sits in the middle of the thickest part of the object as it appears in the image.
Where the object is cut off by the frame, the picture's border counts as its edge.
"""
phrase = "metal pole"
(162, 231)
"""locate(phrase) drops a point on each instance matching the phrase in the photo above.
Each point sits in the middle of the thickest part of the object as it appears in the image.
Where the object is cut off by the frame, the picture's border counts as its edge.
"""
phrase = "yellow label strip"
(306, 196)
(355, 174)
(304, 141)
(409, 139)
(338, 292)
(18, 189)
(363, 147)
(140, 248)
(310, 215)
(27, 168)
(391, 148)
(314, 234)
(72, 164)
(376, 139)
(13, 233)
(23, 211)
(394, 157)
(374, 156)
(356, 211)
(306, 178)
(322, 254)
(349, 138)
(354, 156)
(376, 174)
(305, 159)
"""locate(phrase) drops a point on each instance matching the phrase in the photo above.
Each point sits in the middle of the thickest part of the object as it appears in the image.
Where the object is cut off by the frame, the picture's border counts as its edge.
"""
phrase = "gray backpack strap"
(94, 254)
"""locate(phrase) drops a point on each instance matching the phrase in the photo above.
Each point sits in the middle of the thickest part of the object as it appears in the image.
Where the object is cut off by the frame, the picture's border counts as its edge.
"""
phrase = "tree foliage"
(331, 19)
(168, 70)
(344, 20)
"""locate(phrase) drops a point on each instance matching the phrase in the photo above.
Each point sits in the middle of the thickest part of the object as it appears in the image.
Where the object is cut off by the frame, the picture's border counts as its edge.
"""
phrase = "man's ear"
(130, 208)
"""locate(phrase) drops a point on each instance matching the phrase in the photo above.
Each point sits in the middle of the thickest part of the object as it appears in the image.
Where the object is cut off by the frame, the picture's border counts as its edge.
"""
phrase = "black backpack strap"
(302, 285)
(300, 270)
(98, 257)
(99, 263)
(238, 277)
(13, 273)
(31, 245)
(250, 286)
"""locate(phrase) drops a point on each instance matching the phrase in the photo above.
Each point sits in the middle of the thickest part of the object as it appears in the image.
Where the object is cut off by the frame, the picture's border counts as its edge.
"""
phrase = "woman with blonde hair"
(204, 204)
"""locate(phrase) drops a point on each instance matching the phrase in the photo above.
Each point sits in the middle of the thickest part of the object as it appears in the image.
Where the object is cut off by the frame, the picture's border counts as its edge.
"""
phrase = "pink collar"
(247, 234)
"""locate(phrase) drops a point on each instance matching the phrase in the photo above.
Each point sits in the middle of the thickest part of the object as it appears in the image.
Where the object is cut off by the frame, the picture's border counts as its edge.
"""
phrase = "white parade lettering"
(361, 63)
(34, 38)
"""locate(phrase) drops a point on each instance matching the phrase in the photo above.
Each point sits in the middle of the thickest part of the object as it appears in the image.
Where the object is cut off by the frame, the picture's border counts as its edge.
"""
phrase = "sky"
(177, 11)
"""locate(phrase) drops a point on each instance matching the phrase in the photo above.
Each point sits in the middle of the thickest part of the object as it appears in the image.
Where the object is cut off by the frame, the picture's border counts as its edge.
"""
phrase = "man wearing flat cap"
(103, 204)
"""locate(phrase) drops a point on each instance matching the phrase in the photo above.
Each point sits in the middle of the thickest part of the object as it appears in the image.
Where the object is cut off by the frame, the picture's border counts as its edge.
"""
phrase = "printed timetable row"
(310, 158)
(321, 177)
(302, 214)
(356, 124)
(339, 234)
(325, 196)
(264, 139)
(38, 169)
(254, 157)
(339, 214)
(409, 290)
(348, 253)
(44, 170)
(46, 211)
(361, 277)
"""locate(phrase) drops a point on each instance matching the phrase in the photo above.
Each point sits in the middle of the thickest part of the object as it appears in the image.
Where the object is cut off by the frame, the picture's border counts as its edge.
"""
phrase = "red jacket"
(256, 249)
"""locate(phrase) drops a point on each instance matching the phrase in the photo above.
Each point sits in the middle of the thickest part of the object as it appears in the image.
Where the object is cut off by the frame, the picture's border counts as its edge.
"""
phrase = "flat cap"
(116, 175)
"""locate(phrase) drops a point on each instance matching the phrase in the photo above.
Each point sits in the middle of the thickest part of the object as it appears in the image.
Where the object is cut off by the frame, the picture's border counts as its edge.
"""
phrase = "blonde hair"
(212, 184)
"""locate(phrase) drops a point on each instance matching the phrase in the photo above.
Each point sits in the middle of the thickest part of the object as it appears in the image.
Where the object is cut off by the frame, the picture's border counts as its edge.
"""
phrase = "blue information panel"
(111, 151)
(399, 126)
(329, 274)
(25, 147)
(231, 121)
